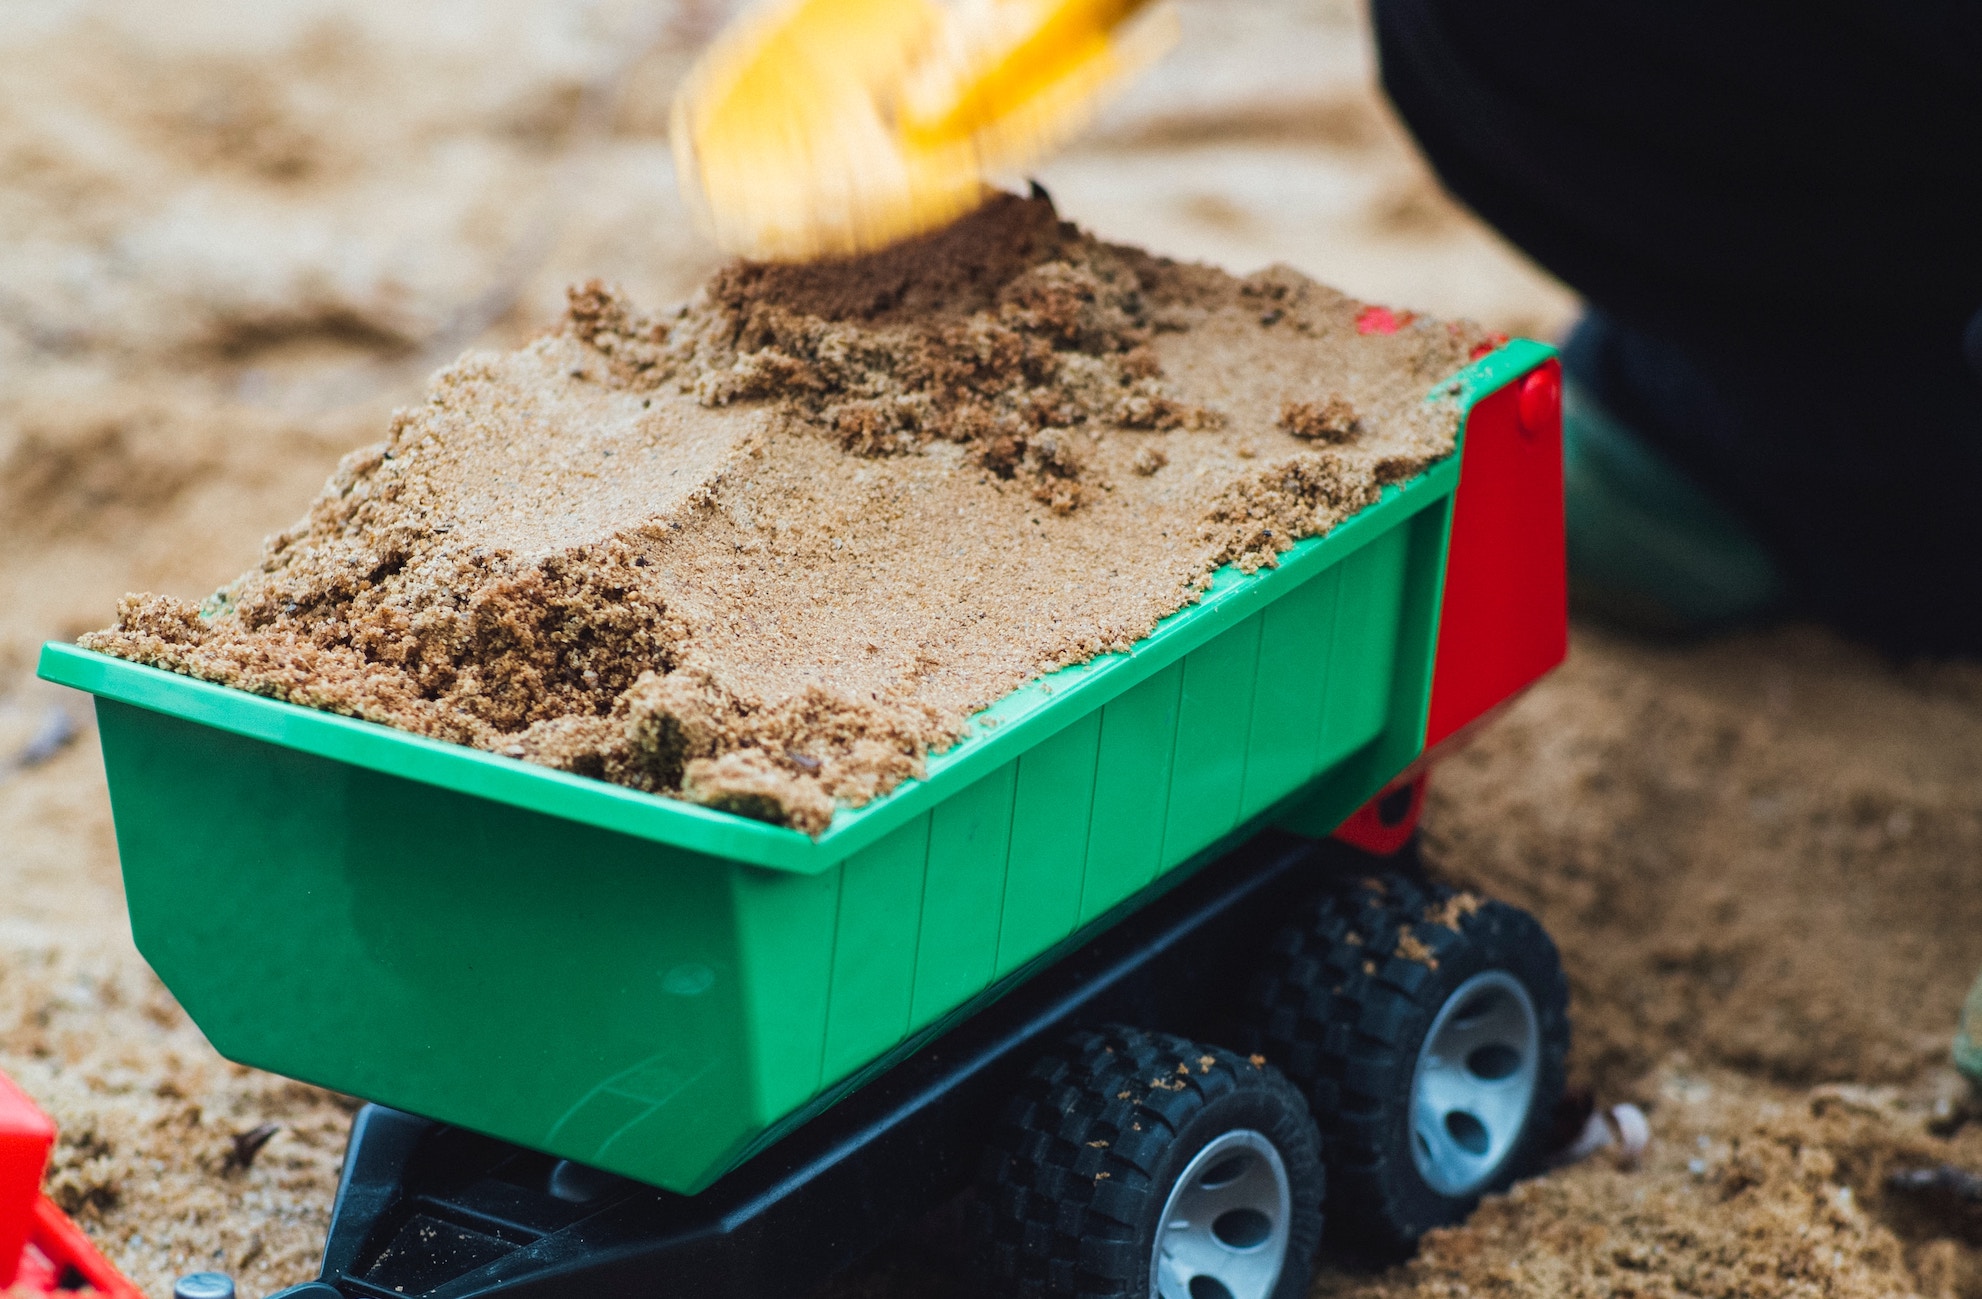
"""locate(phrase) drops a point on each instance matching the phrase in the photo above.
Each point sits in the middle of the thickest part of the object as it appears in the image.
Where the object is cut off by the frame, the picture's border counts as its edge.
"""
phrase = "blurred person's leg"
(1775, 212)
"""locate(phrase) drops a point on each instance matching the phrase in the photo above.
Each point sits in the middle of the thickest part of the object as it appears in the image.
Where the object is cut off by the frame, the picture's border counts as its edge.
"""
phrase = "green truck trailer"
(708, 1048)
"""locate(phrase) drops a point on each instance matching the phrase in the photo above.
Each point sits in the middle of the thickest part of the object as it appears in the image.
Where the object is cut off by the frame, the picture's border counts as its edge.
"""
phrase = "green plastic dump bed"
(659, 989)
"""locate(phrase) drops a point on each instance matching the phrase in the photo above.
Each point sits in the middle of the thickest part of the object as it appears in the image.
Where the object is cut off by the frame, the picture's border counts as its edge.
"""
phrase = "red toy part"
(1505, 619)
(26, 1137)
(60, 1260)
(41, 1251)
(1382, 320)
(1386, 823)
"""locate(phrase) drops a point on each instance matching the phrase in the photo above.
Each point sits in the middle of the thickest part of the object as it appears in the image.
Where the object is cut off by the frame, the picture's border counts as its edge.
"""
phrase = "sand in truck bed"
(770, 549)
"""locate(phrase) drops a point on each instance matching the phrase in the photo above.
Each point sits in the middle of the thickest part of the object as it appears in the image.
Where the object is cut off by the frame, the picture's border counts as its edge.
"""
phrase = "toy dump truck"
(1100, 971)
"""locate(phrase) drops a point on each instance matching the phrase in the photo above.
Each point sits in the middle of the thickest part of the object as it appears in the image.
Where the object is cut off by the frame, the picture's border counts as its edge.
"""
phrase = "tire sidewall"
(1499, 938)
(1291, 1131)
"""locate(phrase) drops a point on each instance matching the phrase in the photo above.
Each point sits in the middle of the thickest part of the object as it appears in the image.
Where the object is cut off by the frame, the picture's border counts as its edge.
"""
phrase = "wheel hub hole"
(1242, 1228)
(1493, 1062)
(1475, 1010)
(1224, 1172)
(1467, 1132)
(1208, 1287)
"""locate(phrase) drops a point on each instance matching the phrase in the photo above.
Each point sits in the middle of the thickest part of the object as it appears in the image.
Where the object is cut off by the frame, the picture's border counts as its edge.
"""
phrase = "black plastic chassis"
(426, 1211)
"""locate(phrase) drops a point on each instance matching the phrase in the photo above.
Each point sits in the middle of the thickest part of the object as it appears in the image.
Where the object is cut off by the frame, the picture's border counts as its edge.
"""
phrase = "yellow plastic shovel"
(816, 128)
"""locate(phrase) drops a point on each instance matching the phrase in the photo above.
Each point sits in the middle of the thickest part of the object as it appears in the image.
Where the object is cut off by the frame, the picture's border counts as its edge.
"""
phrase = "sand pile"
(1746, 1192)
(768, 551)
(1760, 853)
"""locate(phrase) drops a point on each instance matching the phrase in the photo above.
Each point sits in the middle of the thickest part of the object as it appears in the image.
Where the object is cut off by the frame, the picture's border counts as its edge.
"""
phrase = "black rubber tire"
(1344, 1014)
(1077, 1172)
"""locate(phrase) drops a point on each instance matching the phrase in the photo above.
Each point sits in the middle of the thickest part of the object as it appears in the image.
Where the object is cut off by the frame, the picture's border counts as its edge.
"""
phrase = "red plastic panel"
(1505, 619)
(26, 1137)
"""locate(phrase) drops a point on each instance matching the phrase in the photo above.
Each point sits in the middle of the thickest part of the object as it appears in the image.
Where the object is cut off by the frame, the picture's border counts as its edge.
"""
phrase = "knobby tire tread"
(1342, 1011)
(1070, 1186)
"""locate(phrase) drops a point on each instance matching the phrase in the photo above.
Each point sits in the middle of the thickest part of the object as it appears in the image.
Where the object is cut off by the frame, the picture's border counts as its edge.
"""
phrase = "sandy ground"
(230, 244)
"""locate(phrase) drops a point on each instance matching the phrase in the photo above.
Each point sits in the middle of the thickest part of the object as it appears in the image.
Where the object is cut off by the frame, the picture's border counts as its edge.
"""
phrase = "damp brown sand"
(769, 550)
(1747, 1191)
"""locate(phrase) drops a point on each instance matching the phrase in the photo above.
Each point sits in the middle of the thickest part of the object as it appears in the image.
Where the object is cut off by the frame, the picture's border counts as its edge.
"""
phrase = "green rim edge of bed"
(658, 989)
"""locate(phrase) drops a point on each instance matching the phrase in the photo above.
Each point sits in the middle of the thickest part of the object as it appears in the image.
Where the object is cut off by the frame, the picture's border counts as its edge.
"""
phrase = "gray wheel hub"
(1474, 1084)
(1223, 1233)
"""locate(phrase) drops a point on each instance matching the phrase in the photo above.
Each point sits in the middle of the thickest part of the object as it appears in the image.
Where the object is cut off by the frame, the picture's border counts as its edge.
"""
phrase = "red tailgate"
(1505, 619)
